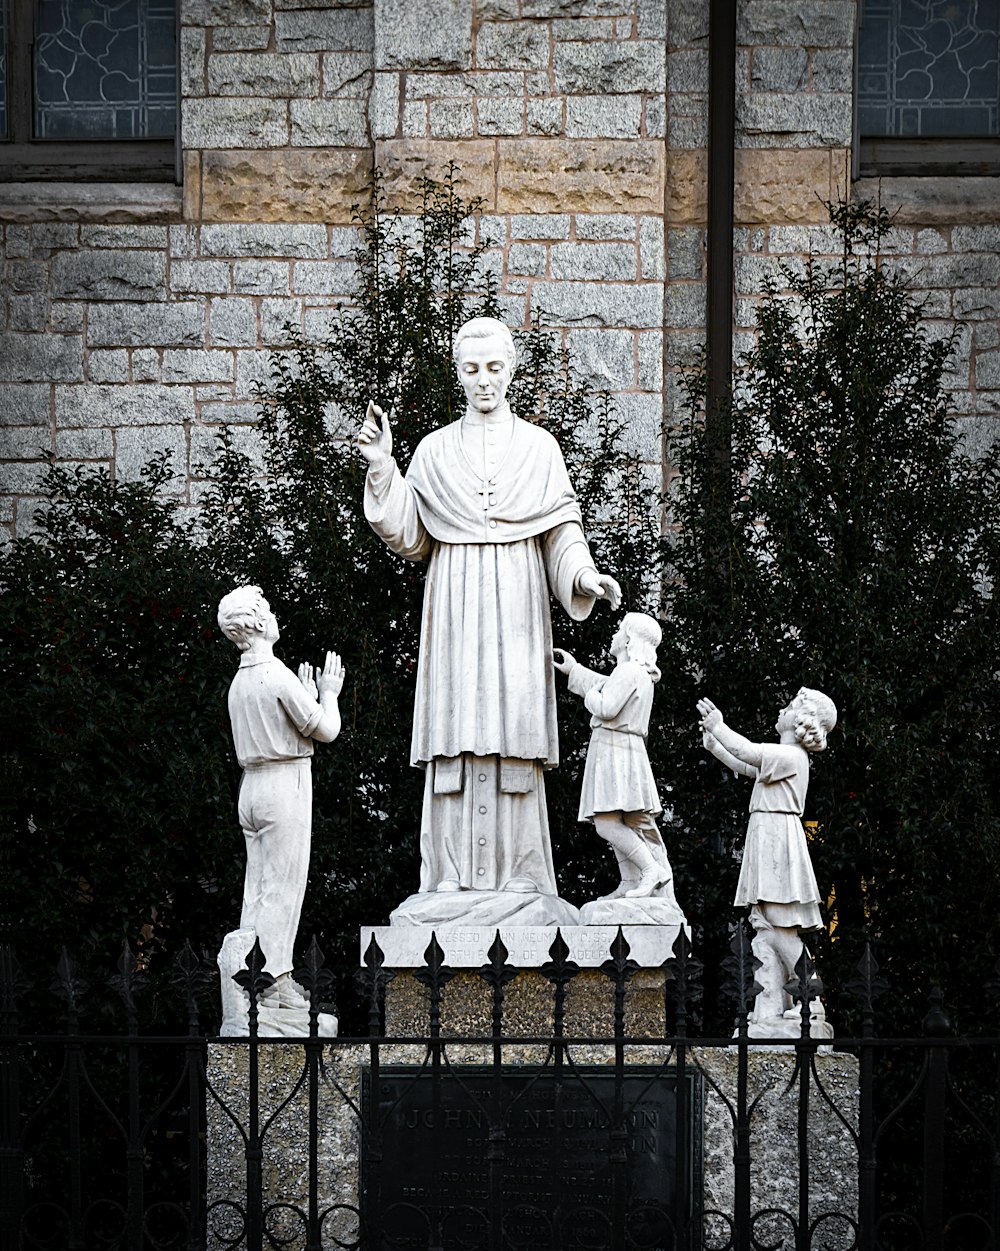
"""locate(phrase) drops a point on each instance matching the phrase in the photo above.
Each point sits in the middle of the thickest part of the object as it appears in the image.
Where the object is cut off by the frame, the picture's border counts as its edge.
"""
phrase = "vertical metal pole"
(560, 970)
(11, 1153)
(804, 1049)
(496, 1149)
(620, 968)
(721, 181)
(133, 1150)
(376, 977)
(74, 1062)
(314, 1239)
(936, 1025)
(254, 1148)
(867, 1163)
(195, 1060)
(741, 1145)
(995, 1163)
(682, 1216)
(619, 1136)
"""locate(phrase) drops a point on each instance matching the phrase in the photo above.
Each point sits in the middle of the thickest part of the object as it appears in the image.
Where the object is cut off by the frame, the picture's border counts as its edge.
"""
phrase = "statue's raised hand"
(375, 437)
(711, 717)
(331, 679)
(307, 678)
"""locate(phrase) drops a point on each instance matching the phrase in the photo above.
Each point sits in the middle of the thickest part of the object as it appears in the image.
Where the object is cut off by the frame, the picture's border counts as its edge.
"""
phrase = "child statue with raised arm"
(619, 793)
(276, 717)
(776, 876)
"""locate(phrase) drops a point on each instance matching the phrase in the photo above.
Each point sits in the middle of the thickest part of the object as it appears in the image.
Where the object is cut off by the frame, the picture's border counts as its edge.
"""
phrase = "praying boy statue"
(276, 717)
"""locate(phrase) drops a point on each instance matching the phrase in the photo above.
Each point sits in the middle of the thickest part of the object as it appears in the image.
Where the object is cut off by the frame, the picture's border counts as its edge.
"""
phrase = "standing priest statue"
(487, 502)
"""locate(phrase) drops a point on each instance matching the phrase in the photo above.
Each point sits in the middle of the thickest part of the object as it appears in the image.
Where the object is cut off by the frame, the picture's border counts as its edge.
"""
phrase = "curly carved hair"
(815, 718)
(242, 611)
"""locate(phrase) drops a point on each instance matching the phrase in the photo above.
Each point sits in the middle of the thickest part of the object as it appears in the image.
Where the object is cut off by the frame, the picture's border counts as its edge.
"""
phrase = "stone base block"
(528, 1006)
(774, 1147)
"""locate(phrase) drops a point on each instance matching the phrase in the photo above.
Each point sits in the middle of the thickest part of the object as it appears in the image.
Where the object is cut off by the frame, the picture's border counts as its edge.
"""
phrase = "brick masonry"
(132, 323)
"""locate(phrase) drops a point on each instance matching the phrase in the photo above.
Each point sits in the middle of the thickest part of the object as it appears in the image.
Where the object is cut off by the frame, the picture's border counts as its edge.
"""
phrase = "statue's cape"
(531, 490)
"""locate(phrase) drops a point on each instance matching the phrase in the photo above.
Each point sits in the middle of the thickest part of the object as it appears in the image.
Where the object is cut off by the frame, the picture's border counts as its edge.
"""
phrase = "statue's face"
(485, 372)
(789, 715)
(270, 623)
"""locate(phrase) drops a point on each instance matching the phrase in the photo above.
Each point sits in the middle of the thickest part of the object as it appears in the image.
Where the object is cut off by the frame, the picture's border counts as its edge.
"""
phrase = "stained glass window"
(105, 69)
(929, 68)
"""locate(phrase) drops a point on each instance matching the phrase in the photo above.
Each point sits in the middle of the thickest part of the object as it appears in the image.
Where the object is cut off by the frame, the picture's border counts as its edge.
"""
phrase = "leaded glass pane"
(929, 68)
(105, 69)
(3, 69)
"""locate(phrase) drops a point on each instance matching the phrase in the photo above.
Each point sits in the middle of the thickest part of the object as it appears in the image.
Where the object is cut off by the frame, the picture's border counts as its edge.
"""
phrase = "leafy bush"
(850, 544)
(116, 738)
(282, 508)
(844, 541)
(301, 533)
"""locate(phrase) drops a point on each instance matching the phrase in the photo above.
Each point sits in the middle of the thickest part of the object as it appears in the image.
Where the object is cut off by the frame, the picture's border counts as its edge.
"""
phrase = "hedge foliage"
(846, 541)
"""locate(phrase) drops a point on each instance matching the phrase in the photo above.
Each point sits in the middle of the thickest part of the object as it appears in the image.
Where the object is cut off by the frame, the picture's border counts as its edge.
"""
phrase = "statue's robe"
(484, 722)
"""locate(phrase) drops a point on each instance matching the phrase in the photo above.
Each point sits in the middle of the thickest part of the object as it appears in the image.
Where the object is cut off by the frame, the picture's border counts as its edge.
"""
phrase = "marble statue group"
(487, 505)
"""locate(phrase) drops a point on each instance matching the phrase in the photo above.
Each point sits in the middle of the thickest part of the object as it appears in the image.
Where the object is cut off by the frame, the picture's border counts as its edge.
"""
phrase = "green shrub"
(849, 544)
(116, 739)
(152, 829)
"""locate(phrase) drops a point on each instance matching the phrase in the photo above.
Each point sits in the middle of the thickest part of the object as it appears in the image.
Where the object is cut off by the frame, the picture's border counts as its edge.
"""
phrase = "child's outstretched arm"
(581, 679)
(734, 744)
(712, 744)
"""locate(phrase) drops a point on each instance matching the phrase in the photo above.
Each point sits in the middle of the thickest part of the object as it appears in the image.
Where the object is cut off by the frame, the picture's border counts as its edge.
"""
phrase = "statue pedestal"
(416, 1165)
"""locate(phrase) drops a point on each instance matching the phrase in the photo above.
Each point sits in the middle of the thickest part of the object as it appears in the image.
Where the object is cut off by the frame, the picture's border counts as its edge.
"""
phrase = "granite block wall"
(138, 318)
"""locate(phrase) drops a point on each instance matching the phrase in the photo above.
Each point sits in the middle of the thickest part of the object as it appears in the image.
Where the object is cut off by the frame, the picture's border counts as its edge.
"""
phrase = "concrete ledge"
(90, 202)
(934, 201)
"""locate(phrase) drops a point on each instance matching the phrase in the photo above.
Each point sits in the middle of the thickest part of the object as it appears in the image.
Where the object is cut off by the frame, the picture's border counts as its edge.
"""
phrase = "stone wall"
(139, 318)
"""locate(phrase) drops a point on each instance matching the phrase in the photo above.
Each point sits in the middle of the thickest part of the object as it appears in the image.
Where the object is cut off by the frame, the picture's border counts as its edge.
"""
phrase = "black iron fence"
(505, 1136)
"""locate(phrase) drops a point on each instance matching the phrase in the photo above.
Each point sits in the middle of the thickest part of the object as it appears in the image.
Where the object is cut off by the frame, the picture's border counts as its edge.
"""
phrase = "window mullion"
(20, 93)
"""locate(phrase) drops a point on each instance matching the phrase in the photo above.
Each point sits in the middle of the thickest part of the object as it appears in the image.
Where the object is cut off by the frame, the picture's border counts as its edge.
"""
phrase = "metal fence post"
(620, 969)
(374, 978)
(11, 1153)
(685, 971)
(739, 983)
(254, 981)
(190, 977)
(316, 981)
(867, 986)
(936, 1025)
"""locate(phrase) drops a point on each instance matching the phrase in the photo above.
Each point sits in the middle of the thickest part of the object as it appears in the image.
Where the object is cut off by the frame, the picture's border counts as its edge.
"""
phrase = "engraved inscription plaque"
(530, 1156)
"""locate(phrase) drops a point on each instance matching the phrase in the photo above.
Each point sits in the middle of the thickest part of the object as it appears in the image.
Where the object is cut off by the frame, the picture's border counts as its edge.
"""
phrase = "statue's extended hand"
(306, 678)
(331, 680)
(601, 586)
(375, 437)
(562, 659)
(711, 717)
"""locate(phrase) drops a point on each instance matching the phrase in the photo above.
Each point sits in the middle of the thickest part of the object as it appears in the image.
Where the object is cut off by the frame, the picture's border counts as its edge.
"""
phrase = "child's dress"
(776, 867)
(617, 776)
